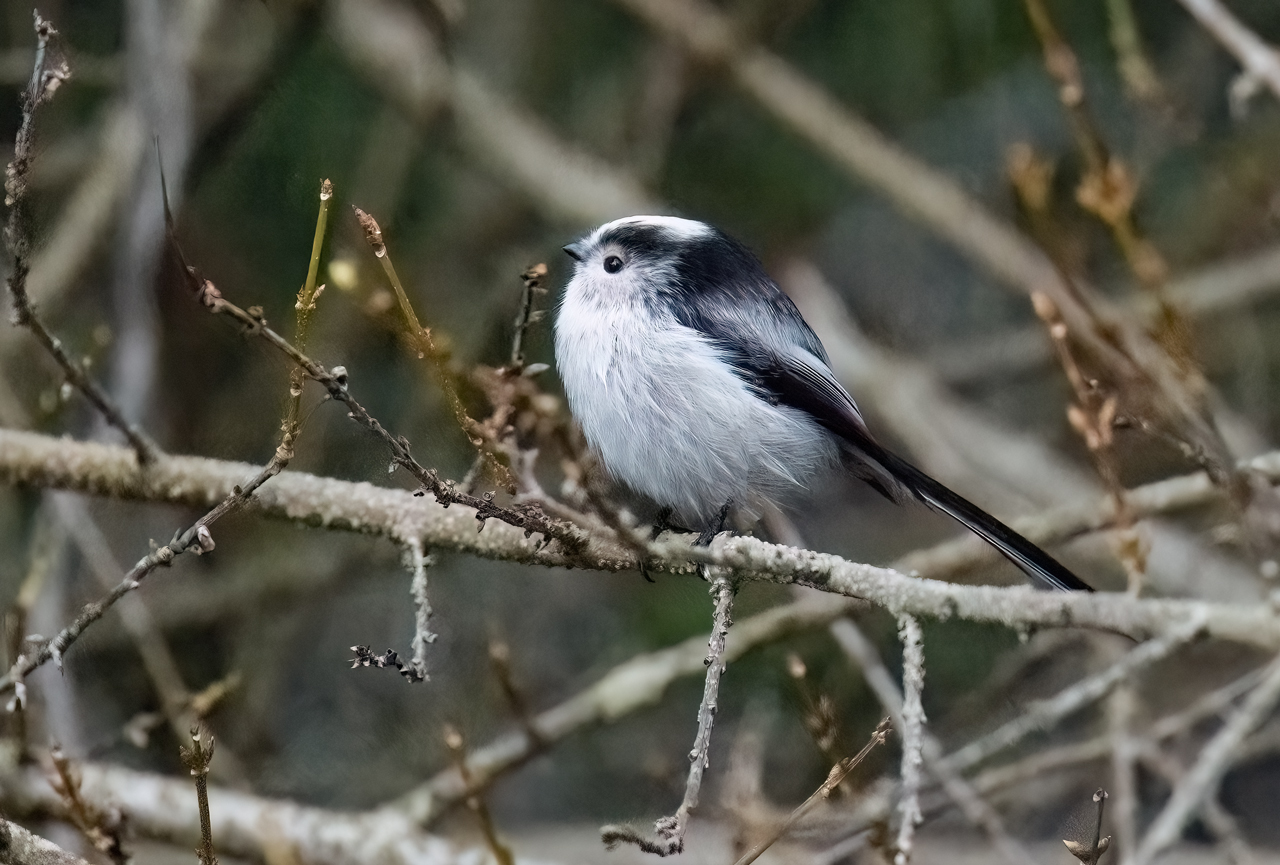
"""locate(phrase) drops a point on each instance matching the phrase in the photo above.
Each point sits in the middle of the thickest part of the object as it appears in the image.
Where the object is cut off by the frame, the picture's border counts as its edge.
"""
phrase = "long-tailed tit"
(699, 384)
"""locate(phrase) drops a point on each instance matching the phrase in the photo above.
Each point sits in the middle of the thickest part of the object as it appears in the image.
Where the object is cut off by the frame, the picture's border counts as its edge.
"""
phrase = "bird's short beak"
(575, 251)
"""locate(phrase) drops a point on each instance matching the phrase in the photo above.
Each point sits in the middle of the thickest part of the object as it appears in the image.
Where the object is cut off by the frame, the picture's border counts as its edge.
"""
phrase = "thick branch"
(43, 461)
(20, 847)
(248, 826)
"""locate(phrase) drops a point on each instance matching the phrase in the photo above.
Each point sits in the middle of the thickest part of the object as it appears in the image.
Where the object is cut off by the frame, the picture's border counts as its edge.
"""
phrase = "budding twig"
(197, 759)
(528, 517)
(195, 538)
(427, 348)
(306, 304)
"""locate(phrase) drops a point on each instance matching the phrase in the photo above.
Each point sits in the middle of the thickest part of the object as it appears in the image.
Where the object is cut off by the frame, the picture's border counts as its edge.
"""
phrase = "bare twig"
(457, 747)
(913, 721)
(245, 825)
(1090, 853)
(102, 827)
(197, 759)
(670, 831)
(529, 518)
(365, 657)
(1201, 781)
(1261, 62)
(532, 281)
(834, 778)
(420, 563)
(500, 658)
(1044, 714)
(968, 799)
(196, 537)
(415, 669)
(49, 73)
(427, 348)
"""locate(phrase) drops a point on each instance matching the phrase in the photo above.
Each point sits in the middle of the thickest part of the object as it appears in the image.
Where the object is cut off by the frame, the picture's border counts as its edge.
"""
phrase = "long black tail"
(1033, 561)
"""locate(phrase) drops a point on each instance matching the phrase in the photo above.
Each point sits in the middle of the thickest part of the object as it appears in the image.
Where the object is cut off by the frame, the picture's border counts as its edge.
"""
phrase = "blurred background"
(486, 134)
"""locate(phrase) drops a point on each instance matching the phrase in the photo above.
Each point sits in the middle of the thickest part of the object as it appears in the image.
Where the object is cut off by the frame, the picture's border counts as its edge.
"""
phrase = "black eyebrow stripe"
(638, 239)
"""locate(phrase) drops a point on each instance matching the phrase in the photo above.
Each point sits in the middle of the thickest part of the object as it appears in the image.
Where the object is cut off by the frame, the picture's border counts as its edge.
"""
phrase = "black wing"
(723, 293)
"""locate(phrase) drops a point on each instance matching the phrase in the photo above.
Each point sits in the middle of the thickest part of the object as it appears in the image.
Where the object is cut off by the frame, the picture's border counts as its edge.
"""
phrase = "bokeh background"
(253, 102)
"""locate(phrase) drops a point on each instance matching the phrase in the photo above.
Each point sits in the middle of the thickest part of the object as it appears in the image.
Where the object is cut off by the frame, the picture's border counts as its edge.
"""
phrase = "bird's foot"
(715, 527)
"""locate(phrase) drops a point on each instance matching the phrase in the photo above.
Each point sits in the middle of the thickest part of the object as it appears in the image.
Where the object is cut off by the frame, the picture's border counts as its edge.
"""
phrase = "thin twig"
(1045, 713)
(102, 827)
(532, 281)
(834, 778)
(457, 747)
(427, 348)
(1202, 780)
(529, 517)
(197, 759)
(1261, 61)
(670, 831)
(195, 537)
(913, 721)
(420, 563)
(968, 799)
(49, 73)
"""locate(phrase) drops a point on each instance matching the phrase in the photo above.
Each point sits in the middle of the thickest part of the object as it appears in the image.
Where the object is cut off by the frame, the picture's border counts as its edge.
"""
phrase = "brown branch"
(305, 305)
(197, 759)
(101, 826)
(49, 73)
(1202, 780)
(835, 777)
(457, 747)
(529, 517)
(422, 340)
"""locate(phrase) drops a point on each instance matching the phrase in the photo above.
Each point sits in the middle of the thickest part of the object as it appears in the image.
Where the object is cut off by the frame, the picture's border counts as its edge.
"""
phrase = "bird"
(699, 386)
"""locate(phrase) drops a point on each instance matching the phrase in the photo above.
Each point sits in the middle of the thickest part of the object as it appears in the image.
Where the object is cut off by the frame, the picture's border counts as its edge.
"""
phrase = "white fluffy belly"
(672, 421)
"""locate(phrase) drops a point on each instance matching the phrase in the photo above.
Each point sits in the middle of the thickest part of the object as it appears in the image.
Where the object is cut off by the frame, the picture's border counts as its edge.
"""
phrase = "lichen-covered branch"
(20, 847)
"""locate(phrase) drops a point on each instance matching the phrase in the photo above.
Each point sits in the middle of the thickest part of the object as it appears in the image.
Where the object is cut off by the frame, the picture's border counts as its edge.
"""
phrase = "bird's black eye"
(612, 264)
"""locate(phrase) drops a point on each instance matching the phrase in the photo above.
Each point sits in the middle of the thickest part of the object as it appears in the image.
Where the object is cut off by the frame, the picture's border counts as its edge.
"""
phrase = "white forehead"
(679, 228)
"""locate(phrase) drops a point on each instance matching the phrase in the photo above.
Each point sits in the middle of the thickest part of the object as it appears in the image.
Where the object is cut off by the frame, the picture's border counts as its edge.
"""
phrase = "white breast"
(670, 419)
